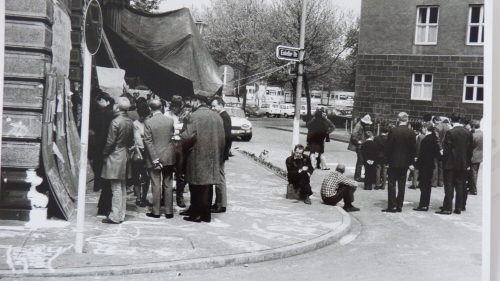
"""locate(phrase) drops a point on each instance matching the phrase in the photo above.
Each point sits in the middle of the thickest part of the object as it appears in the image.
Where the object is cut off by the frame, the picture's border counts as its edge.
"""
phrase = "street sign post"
(288, 53)
(91, 41)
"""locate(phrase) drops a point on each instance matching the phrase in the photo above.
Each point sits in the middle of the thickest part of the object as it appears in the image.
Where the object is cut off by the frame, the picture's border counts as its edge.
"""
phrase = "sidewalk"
(260, 225)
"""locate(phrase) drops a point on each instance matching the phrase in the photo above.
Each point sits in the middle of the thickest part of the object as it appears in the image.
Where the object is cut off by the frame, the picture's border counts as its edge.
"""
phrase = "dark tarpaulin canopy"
(165, 50)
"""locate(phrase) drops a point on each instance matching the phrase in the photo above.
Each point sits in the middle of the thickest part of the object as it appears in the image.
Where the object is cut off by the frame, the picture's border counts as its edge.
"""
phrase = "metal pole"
(82, 179)
(239, 85)
(300, 74)
(225, 81)
(2, 56)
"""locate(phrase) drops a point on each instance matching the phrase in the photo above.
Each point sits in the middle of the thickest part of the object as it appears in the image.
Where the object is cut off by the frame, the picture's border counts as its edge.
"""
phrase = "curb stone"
(200, 263)
(205, 262)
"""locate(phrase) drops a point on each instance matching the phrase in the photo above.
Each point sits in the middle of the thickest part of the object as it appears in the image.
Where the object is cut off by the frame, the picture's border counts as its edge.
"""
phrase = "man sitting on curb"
(299, 170)
(336, 187)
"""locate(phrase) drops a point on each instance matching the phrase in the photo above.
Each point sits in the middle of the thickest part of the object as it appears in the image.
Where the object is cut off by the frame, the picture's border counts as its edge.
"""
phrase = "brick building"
(420, 56)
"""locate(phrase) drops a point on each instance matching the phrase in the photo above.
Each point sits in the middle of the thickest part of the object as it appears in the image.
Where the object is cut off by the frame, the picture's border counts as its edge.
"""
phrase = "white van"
(287, 110)
(271, 109)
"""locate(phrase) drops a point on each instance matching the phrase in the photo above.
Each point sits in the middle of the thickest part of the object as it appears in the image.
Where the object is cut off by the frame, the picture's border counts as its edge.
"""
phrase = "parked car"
(287, 110)
(254, 110)
(234, 104)
(241, 128)
(271, 109)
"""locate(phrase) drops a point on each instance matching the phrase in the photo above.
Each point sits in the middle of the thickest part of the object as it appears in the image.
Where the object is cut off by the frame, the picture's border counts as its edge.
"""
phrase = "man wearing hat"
(204, 141)
(400, 152)
(357, 139)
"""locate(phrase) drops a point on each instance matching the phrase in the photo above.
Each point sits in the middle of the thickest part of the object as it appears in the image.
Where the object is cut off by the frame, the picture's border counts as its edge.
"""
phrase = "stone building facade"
(420, 56)
(42, 74)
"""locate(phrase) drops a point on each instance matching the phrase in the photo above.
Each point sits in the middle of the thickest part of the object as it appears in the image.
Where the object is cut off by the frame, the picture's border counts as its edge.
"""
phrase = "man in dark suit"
(204, 140)
(220, 189)
(457, 154)
(477, 156)
(425, 163)
(116, 164)
(400, 152)
(381, 160)
(299, 170)
(160, 158)
(369, 151)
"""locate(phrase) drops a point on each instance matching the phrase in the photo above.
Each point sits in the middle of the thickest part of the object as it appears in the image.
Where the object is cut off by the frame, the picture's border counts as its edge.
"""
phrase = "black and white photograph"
(347, 140)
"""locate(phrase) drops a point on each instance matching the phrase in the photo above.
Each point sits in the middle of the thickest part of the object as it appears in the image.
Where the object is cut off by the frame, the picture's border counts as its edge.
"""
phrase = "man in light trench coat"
(116, 165)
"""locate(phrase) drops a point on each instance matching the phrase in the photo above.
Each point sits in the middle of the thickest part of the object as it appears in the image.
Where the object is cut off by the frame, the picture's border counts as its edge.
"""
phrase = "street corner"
(259, 225)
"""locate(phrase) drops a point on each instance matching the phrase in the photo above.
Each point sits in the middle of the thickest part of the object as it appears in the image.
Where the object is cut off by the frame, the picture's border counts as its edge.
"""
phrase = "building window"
(475, 30)
(427, 25)
(473, 89)
(421, 87)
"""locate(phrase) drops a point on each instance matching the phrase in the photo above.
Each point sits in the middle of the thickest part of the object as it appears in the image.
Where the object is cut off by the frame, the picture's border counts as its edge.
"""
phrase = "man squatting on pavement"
(336, 187)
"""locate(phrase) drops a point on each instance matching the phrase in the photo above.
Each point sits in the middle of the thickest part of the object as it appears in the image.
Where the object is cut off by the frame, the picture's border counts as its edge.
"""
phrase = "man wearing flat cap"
(204, 141)
(115, 154)
(400, 152)
(357, 139)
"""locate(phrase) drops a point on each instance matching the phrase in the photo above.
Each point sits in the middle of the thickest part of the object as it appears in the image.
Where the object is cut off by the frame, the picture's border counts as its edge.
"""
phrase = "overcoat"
(158, 133)
(226, 120)
(358, 134)
(120, 139)
(477, 147)
(401, 147)
(457, 149)
(316, 134)
(204, 140)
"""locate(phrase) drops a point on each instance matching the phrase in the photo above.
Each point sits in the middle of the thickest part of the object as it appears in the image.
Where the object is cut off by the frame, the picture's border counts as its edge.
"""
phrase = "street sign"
(287, 53)
(92, 28)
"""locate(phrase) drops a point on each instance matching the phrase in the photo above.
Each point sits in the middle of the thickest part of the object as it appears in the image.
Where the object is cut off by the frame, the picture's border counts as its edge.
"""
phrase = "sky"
(167, 5)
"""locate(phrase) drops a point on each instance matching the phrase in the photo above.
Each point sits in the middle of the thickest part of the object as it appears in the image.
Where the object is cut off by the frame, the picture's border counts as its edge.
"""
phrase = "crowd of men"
(147, 142)
(434, 151)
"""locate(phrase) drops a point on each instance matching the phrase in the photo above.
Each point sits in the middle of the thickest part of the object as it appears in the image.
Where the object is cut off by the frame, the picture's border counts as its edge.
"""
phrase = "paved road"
(405, 246)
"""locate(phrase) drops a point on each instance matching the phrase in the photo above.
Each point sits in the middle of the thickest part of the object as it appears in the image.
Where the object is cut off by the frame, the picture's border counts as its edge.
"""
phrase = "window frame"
(422, 83)
(474, 86)
(426, 25)
(480, 25)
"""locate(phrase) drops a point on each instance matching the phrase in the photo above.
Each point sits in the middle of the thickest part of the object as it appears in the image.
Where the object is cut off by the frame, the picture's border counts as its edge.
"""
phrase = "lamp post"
(300, 75)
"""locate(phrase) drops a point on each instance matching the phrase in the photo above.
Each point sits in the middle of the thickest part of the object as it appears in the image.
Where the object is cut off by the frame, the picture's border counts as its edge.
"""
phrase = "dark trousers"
(359, 163)
(396, 175)
(140, 180)
(425, 186)
(301, 182)
(180, 183)
(201, 199)
(437, 175)
(345, 192)
(381, 175)
(474, 169)
(104, 204)
(454, 181)
(370, 175)
(97, 167)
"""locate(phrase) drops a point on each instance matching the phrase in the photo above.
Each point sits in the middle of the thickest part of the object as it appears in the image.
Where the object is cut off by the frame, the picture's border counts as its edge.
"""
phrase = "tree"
(329, 38)
(145, 5)
(245, 33)
(235, 33)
